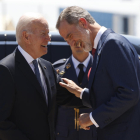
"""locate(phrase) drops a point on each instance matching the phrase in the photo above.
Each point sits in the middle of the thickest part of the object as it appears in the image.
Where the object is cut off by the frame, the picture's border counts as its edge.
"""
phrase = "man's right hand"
(71, 87)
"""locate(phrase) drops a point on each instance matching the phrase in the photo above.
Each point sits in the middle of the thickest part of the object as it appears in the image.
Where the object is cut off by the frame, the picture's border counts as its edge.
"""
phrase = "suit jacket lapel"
(85, 78)
(46, 76)
(97, 56)
(27, 71)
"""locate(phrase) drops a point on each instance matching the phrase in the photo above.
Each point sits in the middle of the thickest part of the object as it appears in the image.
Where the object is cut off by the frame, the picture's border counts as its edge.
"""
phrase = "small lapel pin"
(68, 66)
(61, 73)
(45, 67)
(57, 71)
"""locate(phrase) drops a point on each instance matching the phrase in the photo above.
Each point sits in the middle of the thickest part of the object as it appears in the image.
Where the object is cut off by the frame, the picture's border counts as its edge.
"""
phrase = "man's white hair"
(24, 24)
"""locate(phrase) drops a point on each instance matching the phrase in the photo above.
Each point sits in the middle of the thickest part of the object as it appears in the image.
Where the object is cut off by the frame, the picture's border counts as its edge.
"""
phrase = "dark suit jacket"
(114, 89)
(65, 124)
(24, 114)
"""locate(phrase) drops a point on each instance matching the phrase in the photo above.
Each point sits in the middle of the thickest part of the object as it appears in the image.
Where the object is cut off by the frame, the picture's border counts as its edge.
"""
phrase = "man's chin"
(87, 47)
(79, 51)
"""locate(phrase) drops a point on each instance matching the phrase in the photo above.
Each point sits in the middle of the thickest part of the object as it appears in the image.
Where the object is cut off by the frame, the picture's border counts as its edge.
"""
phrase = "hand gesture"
(71, 87)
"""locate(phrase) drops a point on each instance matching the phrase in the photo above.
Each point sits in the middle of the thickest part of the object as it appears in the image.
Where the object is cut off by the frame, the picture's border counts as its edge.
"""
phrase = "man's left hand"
(84, 121)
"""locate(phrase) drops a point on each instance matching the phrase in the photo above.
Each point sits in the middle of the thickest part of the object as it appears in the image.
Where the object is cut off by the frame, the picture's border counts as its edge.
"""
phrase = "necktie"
(37, 73)
(81, 73)
(93, 53)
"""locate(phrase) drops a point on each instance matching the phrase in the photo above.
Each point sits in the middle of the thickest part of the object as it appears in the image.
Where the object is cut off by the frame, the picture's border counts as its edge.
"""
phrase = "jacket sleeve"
(8, 130)
(86, 98)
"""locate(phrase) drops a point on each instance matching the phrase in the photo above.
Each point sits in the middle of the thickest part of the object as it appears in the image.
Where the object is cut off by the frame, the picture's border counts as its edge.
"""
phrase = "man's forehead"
(40, 28)
(64, 23)
(40, 23)
(65, 29)
(44, 30)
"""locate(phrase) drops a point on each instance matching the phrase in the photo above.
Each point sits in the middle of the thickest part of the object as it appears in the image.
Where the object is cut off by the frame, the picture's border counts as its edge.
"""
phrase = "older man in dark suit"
(28, 84)
(114, 79)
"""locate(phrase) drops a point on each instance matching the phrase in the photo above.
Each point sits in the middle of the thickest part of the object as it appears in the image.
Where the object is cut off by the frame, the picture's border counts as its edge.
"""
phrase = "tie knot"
(93, 51)
(80, 66)
(35, 62)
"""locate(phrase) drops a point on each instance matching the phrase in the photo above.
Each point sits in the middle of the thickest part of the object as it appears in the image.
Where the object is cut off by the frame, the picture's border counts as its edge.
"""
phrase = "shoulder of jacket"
(60, 61)
(45, 62)
(8, 61)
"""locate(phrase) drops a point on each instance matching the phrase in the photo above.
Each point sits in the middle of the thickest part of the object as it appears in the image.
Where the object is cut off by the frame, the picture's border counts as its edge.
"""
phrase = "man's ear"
(26, 37)
(83, 23)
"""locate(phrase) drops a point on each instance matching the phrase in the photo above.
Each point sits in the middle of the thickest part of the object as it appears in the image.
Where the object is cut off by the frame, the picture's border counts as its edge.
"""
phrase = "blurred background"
(123, 16)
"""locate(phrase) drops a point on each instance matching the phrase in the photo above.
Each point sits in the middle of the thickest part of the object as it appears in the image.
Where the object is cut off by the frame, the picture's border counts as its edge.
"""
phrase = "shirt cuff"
(82, 93)
(93, 121)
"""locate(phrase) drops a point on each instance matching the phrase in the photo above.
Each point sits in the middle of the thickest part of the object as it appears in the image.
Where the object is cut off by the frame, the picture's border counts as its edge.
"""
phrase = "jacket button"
(57, 133)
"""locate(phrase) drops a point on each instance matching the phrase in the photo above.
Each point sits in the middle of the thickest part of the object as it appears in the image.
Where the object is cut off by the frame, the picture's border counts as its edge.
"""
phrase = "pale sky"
(50, 8)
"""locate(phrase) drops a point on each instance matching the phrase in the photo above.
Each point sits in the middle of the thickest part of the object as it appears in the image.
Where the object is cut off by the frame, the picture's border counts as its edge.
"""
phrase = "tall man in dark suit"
(28, 84)
(76, 68)
(114, 87)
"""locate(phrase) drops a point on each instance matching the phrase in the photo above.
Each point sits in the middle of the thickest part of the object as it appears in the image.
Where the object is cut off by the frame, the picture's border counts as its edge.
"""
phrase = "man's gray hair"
(73, 14)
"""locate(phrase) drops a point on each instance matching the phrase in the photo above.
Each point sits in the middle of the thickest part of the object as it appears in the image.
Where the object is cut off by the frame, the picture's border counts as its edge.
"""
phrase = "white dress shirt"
(29, 60)
(96, 41)
(76, 63)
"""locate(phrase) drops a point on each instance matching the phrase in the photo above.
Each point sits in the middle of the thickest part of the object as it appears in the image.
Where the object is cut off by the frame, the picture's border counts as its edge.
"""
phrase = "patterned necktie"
(81, 73)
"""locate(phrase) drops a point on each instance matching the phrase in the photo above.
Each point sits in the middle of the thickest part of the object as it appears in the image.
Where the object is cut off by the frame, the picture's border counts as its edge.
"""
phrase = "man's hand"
(84, 121)
(71, 87)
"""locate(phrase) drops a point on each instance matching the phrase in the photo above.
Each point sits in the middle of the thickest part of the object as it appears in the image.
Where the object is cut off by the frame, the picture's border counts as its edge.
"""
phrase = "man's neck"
(94, 28)
(81, 57)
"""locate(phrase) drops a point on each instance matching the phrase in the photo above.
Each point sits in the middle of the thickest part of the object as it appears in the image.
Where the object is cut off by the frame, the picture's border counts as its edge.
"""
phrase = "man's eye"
(70, 36)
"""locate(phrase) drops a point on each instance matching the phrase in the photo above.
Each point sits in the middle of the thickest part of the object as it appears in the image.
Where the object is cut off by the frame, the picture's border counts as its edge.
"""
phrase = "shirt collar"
(28, 57)
(98, 36)
(76, 62)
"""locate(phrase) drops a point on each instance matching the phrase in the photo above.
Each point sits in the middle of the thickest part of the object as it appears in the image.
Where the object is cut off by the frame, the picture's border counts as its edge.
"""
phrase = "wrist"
(78, 92)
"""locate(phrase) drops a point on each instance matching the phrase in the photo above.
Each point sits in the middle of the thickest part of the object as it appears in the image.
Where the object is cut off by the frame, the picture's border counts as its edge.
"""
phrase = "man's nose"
(48, 37)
